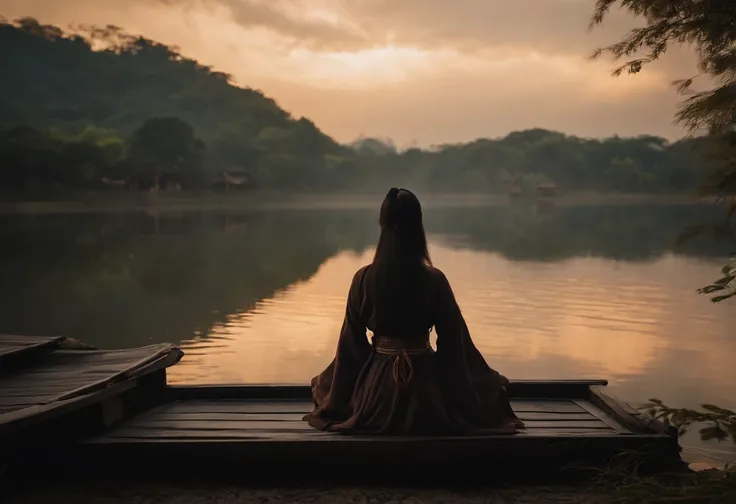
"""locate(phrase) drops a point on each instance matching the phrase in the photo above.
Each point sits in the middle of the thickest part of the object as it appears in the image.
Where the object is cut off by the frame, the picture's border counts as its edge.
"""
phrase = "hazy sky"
(417, 71)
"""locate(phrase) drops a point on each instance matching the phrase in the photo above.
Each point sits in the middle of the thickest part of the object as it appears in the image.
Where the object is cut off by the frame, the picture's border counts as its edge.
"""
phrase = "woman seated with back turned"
(398, 385)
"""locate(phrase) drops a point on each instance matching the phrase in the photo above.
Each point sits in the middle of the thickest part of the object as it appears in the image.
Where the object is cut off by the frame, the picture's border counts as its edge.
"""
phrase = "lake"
(258, 295)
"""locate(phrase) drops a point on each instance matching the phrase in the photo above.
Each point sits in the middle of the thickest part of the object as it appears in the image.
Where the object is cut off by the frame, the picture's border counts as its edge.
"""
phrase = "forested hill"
(52, 78)
(78, 110)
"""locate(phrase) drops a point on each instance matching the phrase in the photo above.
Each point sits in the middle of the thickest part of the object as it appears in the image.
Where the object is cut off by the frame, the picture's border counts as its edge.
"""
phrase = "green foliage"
(532, 157)
(710, 27)
(720, 423)
(36, 164)
(167, 146)
(725, 284)
(707, 25)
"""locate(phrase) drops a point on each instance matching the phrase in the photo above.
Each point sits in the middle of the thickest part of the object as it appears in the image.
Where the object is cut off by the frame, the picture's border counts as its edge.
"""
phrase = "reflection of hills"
(132, 279)
(625, 232)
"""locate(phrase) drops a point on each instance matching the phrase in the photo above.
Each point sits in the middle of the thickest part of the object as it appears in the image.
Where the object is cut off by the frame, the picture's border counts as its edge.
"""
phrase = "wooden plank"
(602, 416)
(164, 352)
(300, 425)
(34, 392)
(276, 453)
(164, 415)
(4, 338)
(636, 421)
(272, 455)
(8, 405)
(225, 406)
(518, 388)
(18, 352)
(130, 433)
(13, 421)
(553, 433)
(517, 440)
(11, 343)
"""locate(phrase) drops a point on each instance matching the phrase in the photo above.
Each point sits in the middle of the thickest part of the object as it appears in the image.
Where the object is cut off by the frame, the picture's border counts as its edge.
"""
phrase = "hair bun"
(393, 192)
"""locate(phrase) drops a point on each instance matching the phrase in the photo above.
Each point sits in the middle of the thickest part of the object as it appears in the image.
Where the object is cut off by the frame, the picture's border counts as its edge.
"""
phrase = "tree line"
(166, 154)
(163, 152)
(126, 110)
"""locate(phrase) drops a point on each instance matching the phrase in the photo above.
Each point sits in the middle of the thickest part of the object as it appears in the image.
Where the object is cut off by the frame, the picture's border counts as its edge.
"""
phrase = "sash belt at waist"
(401, 348)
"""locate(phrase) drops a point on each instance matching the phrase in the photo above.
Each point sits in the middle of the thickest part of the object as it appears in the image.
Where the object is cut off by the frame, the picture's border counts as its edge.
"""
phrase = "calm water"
(256, 297)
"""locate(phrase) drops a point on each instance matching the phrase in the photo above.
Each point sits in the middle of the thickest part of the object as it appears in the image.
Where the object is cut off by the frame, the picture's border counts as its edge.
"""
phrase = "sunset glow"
(482, 69)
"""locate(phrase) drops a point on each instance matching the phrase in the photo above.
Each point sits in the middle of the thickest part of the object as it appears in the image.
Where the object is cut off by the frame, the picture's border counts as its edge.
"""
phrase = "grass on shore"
(623, 482)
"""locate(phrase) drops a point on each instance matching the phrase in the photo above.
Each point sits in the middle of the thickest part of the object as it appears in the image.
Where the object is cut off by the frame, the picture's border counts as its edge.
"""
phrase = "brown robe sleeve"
(474, 390)
(332, 389)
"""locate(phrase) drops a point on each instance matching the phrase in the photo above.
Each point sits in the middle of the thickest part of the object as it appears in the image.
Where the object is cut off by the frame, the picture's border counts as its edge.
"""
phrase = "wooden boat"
(259, 429)
(56, 387)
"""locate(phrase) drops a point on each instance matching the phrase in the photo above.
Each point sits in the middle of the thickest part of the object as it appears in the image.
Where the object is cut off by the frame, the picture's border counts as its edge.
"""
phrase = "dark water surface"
(258, 296)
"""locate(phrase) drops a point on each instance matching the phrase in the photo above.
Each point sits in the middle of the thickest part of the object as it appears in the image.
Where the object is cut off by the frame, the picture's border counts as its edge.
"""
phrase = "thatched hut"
(547, 190)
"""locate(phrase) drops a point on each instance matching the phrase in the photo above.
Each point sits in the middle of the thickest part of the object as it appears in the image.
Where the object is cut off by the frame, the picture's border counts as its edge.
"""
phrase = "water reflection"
(594, 291)
(126, 280)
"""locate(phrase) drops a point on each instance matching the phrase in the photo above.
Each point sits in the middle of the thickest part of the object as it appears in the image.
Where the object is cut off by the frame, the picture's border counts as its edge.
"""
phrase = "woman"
(397, 384)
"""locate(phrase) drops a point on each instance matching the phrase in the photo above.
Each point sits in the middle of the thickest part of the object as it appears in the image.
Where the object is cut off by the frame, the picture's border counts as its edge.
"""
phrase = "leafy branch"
(709, 26)
(720, 422)
(725, 284)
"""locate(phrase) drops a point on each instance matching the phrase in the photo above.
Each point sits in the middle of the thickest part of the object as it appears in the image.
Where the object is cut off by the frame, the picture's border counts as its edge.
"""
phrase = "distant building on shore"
(547, 190)
(515, 190)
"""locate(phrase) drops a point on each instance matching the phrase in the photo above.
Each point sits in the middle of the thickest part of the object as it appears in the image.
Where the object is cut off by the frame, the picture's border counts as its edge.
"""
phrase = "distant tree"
(26, 160)
(374, 146)
(166, 146)
(710, 27)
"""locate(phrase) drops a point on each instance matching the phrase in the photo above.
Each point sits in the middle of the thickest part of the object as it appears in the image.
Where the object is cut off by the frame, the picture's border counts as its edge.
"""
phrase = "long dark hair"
(396, 279)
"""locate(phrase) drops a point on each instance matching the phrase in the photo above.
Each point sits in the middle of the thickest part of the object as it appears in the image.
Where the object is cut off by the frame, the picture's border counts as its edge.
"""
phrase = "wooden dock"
(66, 406)
(259, 429)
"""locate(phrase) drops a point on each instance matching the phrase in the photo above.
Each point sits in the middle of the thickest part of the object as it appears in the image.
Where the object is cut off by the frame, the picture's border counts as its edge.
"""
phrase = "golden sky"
(418, 71)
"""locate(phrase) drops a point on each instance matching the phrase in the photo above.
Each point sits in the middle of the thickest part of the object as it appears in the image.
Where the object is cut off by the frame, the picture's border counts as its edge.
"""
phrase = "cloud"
(425, 70)
(464, 105)
(551, 25)
(312, 27)
(477, 27)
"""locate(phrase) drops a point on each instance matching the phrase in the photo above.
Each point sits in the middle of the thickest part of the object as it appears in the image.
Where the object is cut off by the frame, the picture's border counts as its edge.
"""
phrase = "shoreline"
(205, 492)
(710, 487)
(326, 201)
(614, 485)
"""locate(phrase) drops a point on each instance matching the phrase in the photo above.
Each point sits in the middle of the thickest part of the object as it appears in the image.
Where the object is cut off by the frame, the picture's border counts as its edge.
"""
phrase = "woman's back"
(402, 312)
(397, 384)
